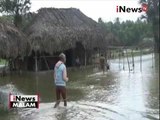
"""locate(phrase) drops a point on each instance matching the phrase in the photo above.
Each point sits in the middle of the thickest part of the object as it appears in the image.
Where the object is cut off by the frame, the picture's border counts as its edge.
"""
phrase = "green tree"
(130, 33)
(152, 15)
(16, 8)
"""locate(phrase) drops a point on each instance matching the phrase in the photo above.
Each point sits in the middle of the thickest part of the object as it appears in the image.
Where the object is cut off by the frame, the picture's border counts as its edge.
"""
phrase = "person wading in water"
(60, 78)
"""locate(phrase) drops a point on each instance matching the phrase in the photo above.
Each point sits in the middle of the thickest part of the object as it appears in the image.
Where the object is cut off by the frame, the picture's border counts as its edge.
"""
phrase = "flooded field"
(116, 95)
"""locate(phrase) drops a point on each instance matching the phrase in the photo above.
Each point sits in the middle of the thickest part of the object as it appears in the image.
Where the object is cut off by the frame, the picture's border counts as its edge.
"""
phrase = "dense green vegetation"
(15, 8)
(130, 33)
(152, 16)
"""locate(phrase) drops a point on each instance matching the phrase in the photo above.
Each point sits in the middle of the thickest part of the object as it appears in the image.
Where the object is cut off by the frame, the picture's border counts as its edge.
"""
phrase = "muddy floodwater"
(116, 95)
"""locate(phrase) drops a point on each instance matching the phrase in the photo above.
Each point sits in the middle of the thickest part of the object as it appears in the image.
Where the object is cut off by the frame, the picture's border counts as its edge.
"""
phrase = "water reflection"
(117, 94)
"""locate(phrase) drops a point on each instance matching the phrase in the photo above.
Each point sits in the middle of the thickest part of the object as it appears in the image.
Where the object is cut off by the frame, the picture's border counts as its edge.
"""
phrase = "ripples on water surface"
(116, 95)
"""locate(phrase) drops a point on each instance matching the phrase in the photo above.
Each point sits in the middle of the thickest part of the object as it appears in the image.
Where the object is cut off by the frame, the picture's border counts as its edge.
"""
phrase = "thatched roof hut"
(12, 43)
(55, 30)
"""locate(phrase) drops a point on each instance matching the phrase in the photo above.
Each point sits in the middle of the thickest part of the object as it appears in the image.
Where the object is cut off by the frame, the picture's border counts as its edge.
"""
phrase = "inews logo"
(144, 7)
(23, 101)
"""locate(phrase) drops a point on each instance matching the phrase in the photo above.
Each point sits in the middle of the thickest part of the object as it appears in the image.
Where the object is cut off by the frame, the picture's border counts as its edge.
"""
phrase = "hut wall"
(46, 61)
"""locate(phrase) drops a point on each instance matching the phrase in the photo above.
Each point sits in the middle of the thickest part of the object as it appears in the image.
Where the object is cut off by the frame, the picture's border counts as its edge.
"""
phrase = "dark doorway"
(80, 52)
(69, 57)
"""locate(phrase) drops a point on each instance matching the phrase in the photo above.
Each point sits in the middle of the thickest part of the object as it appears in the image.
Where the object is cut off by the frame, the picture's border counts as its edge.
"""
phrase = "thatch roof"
(12, 42)
(54, 30)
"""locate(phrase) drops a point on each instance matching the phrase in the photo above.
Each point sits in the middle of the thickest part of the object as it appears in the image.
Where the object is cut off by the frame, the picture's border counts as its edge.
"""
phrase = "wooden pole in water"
(152, 59)
(119, 58)
(141, 60)
(46, 62)
(36, 62)
(128, 61)
(85, 58)
(132, 59)
(123, 59)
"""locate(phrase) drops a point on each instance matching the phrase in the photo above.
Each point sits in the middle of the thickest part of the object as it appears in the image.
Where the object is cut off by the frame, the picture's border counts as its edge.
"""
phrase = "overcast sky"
(106, 9)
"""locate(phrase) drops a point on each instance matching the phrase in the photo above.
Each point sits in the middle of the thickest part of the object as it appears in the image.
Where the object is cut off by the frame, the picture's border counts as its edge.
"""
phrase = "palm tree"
(16, 8)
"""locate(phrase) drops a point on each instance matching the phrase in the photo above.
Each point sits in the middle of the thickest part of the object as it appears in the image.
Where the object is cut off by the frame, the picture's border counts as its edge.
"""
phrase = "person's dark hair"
(62, 57)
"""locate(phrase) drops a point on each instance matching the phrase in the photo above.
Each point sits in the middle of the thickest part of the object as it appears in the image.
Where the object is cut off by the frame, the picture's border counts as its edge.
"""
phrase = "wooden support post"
(132, 59)
(85, 58)
(119, 58)
(74, 57)
(46, 63)
(128, 61)
(141, 60)
(36, 64)
(152, 59)
(123, 60)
